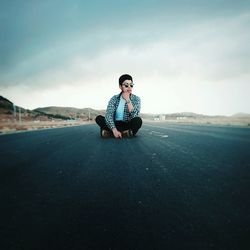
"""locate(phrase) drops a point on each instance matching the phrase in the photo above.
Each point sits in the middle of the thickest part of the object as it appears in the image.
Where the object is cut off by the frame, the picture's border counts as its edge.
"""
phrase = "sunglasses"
(126, 85)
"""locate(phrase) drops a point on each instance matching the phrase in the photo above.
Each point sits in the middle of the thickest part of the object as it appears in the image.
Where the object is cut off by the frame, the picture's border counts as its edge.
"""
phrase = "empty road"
(171, 187)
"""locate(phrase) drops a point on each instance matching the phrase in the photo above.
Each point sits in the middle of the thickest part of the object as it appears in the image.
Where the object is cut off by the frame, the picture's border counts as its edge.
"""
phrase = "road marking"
(155, 133)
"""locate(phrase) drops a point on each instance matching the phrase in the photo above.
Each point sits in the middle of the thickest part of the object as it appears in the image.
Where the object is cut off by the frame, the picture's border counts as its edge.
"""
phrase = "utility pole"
(89, 114)
(14, 111)
(20, 118)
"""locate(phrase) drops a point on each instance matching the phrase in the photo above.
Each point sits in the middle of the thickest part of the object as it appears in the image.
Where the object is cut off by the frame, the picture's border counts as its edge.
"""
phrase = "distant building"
(162, 117)
(181, 117)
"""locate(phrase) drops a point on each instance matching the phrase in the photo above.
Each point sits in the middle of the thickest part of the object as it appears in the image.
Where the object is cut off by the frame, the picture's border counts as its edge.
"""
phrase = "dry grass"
(225, 121)
(15, 126)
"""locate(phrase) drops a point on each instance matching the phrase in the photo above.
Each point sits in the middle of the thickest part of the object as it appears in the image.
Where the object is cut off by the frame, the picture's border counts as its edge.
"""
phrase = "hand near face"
(125, 95)
(126, 89)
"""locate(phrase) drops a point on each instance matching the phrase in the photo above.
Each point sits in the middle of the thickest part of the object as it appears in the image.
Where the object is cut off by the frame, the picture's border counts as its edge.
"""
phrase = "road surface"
(171, 187)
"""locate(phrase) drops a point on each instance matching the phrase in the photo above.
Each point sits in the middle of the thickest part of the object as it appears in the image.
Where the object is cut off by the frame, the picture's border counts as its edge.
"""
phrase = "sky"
(184, 56)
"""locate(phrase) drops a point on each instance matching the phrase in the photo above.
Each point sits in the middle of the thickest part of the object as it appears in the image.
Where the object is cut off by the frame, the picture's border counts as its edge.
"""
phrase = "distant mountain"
(73, 113)
(5, 103)
(7, 107)
(241, 115)
(189, 115)
(185, 114)
(54, 112)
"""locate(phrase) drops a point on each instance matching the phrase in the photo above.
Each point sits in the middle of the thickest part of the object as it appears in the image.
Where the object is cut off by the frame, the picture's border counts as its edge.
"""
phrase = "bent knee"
(99, 118)
(137, 120)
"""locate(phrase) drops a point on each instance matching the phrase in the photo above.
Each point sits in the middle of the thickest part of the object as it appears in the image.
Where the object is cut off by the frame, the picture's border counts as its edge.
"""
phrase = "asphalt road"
(171, 187)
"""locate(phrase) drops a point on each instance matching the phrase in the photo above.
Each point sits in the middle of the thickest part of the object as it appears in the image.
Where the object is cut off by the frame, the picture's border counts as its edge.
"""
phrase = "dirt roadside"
(13, 127)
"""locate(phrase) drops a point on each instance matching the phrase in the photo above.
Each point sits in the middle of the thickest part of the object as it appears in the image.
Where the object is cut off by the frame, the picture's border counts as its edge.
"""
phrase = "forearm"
(114, 130)
(136, 109)
(109, 115)
(109, 121)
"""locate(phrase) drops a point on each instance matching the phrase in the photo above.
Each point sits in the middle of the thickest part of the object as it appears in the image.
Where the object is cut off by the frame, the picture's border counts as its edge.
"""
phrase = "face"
(127, 86)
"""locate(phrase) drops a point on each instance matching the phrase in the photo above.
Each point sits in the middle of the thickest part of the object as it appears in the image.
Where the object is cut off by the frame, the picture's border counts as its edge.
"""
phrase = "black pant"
(134, 124)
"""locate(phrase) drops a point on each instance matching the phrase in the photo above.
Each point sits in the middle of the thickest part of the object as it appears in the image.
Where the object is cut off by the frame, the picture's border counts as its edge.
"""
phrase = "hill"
(18, 118)
(241, 115)
(5, 104)
(14, 118)
(7, 107)
(9, 111)
(72, 113)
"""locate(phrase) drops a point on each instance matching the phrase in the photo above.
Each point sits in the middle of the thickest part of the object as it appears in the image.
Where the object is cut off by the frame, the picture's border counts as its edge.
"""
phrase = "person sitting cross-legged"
(122, 114)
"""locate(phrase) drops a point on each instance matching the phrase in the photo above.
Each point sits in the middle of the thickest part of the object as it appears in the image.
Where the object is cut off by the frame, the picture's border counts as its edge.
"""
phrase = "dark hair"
(124, 78)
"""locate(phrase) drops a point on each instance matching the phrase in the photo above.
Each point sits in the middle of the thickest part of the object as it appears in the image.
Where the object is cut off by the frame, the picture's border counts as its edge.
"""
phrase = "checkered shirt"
(127, 116)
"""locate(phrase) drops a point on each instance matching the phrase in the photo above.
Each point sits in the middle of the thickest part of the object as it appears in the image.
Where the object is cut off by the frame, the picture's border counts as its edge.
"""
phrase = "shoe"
(106, 133)
(127, 133)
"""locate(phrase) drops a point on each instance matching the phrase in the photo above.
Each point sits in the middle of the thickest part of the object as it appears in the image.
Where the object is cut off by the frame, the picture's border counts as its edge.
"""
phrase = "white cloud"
(203, 68)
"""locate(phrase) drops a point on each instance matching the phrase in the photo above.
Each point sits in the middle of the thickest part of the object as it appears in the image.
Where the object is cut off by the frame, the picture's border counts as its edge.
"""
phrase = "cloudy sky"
(183, 55)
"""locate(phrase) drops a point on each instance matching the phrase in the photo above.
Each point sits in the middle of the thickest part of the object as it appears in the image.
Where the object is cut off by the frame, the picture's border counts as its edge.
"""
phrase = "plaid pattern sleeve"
(136, 102)
(110, 112)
